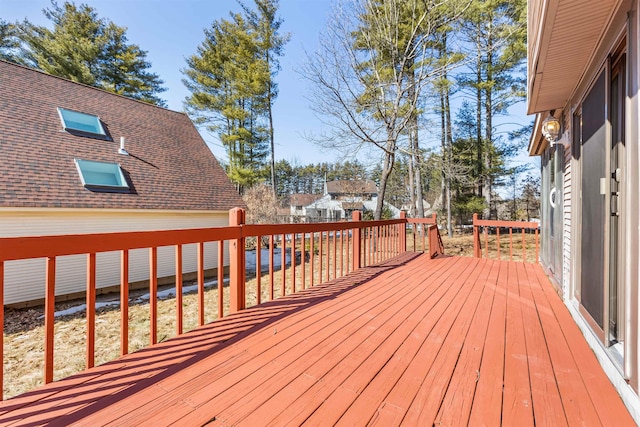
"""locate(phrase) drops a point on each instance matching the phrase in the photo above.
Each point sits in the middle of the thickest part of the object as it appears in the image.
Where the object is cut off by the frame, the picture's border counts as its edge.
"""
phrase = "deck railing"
(326, 251)
(528, 236)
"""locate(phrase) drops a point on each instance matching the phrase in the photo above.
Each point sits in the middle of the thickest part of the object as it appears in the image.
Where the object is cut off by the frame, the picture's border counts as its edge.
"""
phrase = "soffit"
(563, 37)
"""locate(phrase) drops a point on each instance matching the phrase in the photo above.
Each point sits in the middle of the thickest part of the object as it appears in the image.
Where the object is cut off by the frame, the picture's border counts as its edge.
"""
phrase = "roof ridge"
(89, 86)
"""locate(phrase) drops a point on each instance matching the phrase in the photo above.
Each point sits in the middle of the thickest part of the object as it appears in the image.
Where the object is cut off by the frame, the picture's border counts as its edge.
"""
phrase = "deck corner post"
(237, 262)
(403, 233)
(356, 216)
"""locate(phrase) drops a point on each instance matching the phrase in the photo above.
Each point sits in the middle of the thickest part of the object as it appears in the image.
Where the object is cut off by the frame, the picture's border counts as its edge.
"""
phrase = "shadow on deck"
(449, 341)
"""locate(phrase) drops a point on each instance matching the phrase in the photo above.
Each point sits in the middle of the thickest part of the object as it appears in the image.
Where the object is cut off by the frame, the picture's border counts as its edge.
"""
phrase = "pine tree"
(497, 31)
(9, 42)
(265, 24)
(228, 83)
(91, 50)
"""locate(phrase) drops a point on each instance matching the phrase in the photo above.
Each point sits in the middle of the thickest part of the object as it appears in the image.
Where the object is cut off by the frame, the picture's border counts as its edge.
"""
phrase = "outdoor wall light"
(551, 129)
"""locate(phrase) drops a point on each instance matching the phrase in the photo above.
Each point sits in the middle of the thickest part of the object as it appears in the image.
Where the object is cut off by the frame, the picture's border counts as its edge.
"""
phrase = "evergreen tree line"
(84, 48)
(310, 179)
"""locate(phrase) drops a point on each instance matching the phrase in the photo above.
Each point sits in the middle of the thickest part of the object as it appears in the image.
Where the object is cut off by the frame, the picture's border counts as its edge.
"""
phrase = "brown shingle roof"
(303, 199)
(352, 187)
(169, 166)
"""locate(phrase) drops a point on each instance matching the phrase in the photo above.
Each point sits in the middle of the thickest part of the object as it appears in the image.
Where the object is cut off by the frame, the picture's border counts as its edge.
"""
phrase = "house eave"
(563, 40)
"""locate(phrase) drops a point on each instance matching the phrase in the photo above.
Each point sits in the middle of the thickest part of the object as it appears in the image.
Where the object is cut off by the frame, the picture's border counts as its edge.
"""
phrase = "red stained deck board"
(487, 401)
(234, 363)
(427, 401)
(456, 405)
(414, 341)
(393, 348)
(604, 397)
(516, 400)
(436, 325)
(310, 359)
(547, 409)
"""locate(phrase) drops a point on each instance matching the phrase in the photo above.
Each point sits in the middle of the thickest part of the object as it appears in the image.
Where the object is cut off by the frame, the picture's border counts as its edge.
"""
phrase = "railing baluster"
(486, 242)
(153, 294)
(271, 267)
(312, 257)
(320, 260)
(498, 240)
(335, 254)
(293, 263)
(510, 244)
(179, 310)
(283, 264)
(200, 283)
(349, 251)
(124, 302)
(220, 279)
(341, 253)
(369, 243)
(303, 258)
(537, 246)
(328, 266)
(49, 313)
(91, 310)
(258, 269)
(524, 248)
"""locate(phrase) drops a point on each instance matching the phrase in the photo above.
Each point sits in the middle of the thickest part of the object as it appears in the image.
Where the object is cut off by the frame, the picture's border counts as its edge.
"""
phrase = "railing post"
(403, 233)
(237, 263)
(476, 238)
(356, 216)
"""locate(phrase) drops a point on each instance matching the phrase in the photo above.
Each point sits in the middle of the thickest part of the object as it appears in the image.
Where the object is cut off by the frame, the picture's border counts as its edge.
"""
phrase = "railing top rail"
(17, 248)
(249, 230)
(506, 224)
(427, 220)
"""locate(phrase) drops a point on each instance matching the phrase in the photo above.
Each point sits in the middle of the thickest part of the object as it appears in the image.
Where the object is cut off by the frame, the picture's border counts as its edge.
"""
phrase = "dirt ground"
(24, 328)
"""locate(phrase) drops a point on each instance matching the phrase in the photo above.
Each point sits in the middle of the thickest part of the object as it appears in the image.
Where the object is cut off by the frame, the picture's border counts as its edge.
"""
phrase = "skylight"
(101, 176)
(81, 122)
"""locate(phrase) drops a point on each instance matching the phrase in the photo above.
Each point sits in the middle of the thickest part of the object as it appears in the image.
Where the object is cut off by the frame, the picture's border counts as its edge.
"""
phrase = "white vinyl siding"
(566, 241)
(24, 280)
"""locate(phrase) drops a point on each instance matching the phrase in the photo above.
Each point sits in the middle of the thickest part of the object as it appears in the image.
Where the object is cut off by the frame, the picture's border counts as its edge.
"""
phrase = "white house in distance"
(76, 160)
(298, 203)
(584, 87)
(343, 197)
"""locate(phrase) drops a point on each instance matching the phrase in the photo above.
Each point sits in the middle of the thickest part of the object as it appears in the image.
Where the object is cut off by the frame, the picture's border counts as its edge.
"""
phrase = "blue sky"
(171, 30)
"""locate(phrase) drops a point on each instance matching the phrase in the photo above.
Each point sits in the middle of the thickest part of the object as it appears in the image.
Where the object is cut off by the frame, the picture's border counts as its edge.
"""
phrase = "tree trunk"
(273, 150)
(489, 211)
(418, 172)
(479, 150)
(412, 185)
(449, 145)
(271, 136)
(443, 147)
(387, 167)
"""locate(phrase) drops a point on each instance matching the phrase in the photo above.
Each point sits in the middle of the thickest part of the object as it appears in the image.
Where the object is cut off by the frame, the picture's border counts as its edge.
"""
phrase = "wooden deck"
(449, 341)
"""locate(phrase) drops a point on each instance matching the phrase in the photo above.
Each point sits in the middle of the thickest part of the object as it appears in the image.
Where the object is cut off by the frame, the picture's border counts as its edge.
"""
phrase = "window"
(73, 121)
(102, 176)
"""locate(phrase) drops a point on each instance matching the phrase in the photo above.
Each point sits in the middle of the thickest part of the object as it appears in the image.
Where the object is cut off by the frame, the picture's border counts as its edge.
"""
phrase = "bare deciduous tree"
(368, 75)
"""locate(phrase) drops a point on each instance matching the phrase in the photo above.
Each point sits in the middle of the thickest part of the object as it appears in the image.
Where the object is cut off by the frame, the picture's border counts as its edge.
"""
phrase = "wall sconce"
(551, 129)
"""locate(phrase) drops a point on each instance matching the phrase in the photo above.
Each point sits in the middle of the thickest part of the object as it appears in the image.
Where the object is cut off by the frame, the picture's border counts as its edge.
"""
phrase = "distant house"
(298, 206)
(76, 159)
(584, 87)
(343, 197)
